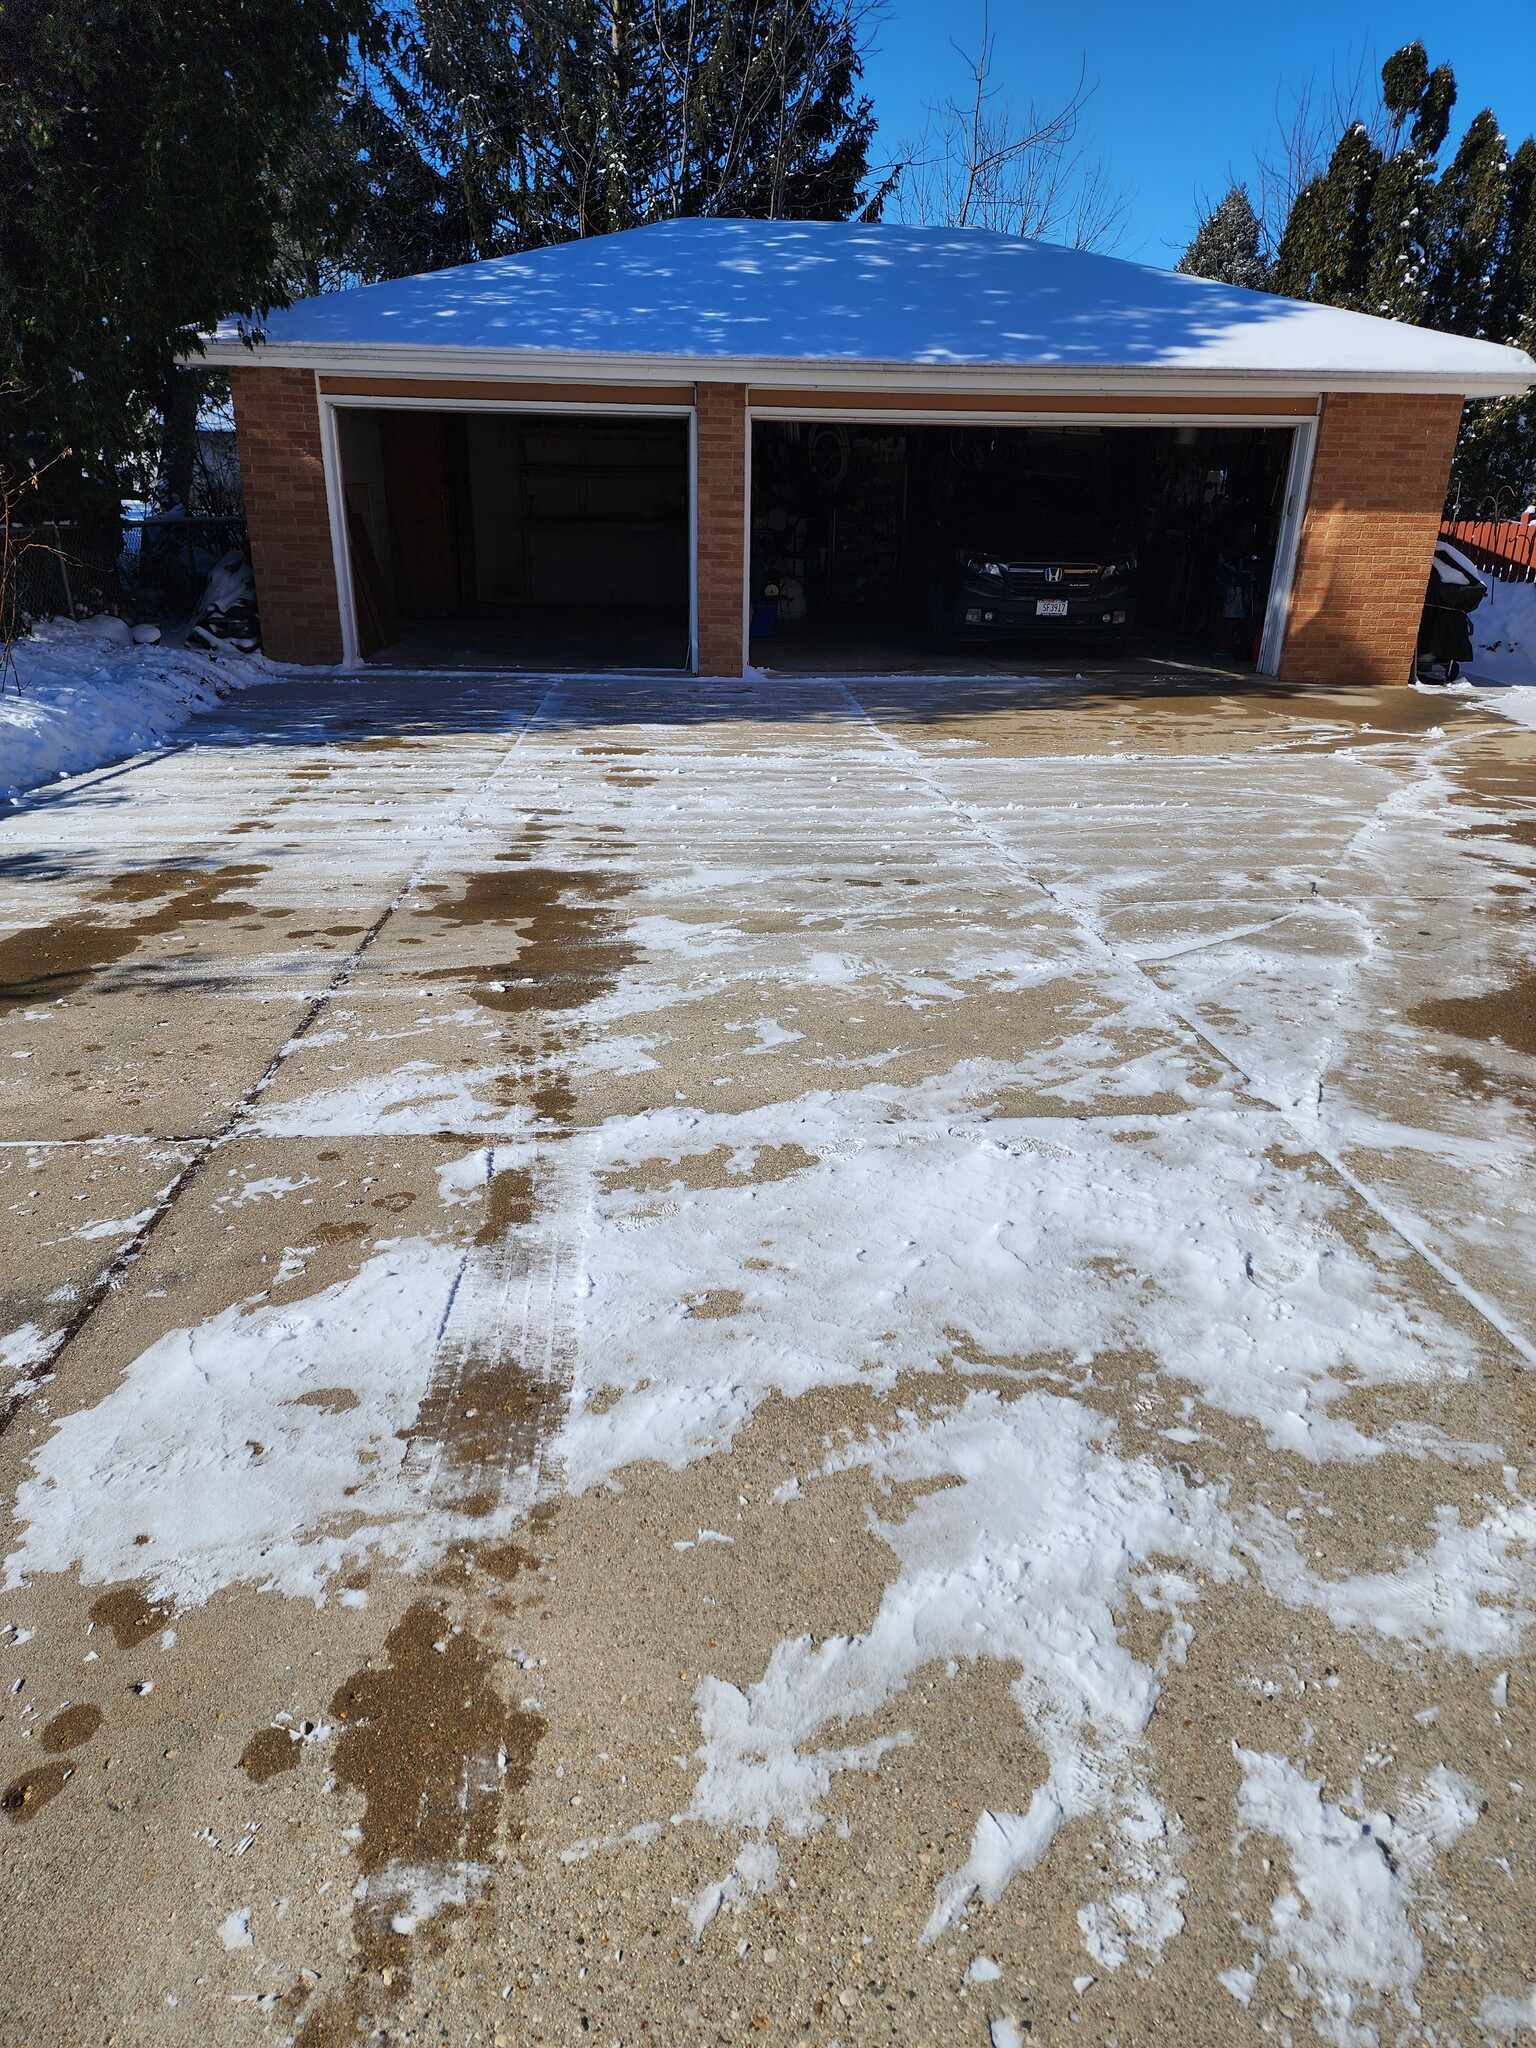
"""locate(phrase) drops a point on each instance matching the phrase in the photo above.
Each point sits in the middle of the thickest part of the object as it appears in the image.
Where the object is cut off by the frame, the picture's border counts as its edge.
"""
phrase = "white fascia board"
(766, 372)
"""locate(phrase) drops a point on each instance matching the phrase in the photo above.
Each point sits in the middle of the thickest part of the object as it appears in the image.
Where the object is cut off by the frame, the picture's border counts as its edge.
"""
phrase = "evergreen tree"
(1417, 99)
(147, 166)
(402, 210)
(1496, 453)
(1402, 206)
(1325, 251)
(545, 120)
(1226, 247)
(1512, 280)
(1469, 225)
(1383, 231)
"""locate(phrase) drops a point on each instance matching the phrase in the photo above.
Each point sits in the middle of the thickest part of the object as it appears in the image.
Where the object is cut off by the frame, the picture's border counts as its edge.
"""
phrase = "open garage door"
(887, 546)
(517, 540)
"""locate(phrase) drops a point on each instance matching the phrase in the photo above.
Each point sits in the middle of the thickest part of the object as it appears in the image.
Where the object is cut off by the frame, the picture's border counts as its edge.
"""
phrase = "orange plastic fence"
(1505, 547)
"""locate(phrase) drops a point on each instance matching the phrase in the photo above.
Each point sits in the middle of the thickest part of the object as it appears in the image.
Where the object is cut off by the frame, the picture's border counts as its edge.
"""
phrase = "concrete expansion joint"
(1307, 1128)
(234, 1124)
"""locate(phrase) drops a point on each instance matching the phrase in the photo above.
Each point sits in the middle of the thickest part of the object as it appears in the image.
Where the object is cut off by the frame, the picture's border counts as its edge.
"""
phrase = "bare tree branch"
(976, 162)
(1307, 132)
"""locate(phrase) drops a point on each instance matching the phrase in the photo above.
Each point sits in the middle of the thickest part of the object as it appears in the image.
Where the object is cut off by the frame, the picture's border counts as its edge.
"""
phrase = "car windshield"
(1013, 534)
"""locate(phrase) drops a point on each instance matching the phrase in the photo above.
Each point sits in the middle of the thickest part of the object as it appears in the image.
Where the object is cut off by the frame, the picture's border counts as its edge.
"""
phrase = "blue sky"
(1186, 92)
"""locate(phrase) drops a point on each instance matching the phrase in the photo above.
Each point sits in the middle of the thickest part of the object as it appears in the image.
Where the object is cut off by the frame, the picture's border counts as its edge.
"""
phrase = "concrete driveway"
(709, 1364)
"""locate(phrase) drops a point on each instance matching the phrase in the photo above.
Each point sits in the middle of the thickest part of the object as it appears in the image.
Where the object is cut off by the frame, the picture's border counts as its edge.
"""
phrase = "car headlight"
(978, 565)
(1122, 565)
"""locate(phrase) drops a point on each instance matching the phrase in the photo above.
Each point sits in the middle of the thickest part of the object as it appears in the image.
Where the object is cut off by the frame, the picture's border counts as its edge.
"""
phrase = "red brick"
(282, 470)
(721, 439)
(1378, 485)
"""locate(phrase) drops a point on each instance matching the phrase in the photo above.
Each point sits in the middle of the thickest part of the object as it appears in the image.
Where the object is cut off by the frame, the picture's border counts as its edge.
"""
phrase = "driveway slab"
(838, 1359)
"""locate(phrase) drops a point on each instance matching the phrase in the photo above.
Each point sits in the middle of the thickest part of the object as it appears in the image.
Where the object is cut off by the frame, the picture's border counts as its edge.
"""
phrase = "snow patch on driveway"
(1023, 1557)
(261, 1447)
(418, 1099)
(1041, 1534)
(1344, 1933)
(1190, 1240)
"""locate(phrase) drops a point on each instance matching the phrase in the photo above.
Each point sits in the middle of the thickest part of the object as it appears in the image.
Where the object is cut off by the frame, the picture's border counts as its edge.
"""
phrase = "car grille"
(1033, 579)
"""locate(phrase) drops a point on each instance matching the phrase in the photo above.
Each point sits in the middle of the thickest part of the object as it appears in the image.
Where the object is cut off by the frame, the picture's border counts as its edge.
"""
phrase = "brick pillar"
(282, 473)
(722, 519)
(1378, 484)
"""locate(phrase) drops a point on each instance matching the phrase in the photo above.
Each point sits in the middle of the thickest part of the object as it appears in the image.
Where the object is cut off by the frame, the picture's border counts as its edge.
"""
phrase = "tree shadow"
(811, 291)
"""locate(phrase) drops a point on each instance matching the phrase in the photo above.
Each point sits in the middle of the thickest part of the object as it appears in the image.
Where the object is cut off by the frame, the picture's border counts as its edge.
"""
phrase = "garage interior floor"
(556, 641)
(869, 654)
(540, 638)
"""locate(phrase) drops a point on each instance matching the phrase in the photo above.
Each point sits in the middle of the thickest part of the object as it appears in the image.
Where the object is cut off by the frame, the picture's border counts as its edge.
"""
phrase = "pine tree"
(146, 154)
(1325, 251)
(1226, 247)
(1383, 231)
(1512, 280)
(1402, 207)
(403, 213)
(552, 119)
(1469, 225)
(779, 127)
(1496, 454)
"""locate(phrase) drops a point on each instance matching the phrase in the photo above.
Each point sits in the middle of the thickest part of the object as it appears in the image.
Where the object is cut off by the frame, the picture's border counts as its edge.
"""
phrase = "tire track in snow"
(507, 1350)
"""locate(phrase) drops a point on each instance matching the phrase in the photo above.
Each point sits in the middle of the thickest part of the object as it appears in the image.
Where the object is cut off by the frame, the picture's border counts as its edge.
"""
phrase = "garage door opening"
(1034, 548)
(517, 540)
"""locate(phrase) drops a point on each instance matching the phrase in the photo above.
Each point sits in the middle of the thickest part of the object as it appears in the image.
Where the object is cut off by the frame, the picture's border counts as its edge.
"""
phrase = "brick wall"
(1378, 483)
(1373, 514)
(277, 426)
(722, 515)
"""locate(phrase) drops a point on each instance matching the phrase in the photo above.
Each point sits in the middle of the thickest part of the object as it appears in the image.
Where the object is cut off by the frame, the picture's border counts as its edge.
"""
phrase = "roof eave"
(395, 359)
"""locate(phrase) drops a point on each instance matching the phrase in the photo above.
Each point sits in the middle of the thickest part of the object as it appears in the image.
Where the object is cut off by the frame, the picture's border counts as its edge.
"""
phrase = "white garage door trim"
(1297, 483)
(330, 403)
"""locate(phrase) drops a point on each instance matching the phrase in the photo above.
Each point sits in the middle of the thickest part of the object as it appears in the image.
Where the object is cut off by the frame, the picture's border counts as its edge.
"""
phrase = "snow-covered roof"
(956, 305)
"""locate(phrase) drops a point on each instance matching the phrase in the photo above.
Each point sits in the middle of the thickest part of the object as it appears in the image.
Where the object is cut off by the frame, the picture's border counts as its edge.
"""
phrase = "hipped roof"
(786, 300)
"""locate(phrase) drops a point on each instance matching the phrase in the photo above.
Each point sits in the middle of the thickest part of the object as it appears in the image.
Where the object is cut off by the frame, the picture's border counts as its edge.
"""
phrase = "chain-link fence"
(65, 571)
(138, 568)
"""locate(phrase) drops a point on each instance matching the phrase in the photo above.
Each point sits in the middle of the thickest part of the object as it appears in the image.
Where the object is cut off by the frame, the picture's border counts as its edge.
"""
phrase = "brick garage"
(1373, 513)
(282, 472)
(761, 335)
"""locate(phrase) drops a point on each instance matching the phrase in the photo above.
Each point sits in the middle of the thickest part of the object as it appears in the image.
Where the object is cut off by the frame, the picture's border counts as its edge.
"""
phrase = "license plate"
(1050, 607)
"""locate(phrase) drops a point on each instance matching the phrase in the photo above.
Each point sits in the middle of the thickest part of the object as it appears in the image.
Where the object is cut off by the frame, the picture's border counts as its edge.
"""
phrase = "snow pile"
(1504, 647)
(88, 697)
(1514, 700)
(1504, 634)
